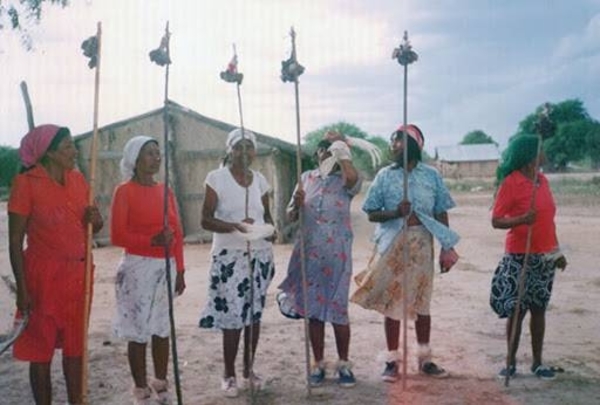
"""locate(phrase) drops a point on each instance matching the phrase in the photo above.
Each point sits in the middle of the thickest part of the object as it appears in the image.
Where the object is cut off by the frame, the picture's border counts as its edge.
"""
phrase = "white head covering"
(131, 151)
(236, 135)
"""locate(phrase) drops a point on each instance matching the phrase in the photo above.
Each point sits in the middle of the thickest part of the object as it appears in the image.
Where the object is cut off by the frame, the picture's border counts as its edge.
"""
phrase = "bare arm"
(510, 222)
(349, 172)
(17, 225)
(267, 216)
(402, 210)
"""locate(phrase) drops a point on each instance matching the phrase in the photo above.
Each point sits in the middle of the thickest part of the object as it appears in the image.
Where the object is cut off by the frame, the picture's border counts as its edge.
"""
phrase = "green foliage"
(477, 137)
(362, 159)
(19, 15)
(577, 135)
(10, 165)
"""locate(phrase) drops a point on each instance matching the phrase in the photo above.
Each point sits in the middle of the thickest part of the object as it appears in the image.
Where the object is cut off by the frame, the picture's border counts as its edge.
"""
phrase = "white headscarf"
(131, 151)
(235, 136)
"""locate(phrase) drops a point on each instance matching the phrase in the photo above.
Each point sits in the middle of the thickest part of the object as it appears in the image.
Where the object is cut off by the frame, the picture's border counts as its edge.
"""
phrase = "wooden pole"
(405, 56)
(174, 352)
(301, 223)
(28, 107)
(89, 240)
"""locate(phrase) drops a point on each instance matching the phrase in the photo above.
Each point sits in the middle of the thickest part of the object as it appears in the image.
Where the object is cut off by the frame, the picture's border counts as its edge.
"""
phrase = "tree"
(362, 159)
(574, 138)
(477, 137)
(592, 141)
(19, 15)
(10, 165)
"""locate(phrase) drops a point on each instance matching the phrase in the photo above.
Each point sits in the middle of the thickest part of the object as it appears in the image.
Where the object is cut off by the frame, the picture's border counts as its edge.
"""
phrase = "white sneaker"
(161, 390)
(229, 387)
(143, 396)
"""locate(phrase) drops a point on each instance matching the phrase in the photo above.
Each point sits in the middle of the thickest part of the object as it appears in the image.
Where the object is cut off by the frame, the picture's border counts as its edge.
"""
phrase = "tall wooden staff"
(232, 75)
(161, 56)
(290, 71)
(405, 56)
(92, 49)
(544, 129)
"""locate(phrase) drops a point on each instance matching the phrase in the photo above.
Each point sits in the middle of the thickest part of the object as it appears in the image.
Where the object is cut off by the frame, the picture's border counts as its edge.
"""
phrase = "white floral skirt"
(142, 298)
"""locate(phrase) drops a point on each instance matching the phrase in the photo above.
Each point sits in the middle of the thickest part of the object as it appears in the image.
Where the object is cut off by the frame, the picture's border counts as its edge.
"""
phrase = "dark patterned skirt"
(505, 283)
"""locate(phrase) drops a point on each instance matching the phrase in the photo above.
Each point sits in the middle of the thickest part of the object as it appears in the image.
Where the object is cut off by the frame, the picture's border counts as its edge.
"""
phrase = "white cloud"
(581, 44)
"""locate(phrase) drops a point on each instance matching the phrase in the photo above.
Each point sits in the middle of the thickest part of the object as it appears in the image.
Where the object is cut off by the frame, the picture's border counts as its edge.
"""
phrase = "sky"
(483, 64)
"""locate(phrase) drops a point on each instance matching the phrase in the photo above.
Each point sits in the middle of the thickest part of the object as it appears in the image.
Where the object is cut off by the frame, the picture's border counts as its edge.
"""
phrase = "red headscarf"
(35, 144)
(414, 132)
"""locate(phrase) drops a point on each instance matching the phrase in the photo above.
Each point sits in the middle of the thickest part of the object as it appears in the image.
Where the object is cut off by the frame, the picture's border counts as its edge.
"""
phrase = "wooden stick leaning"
(291, 70)
(89, 239)
(28, 106)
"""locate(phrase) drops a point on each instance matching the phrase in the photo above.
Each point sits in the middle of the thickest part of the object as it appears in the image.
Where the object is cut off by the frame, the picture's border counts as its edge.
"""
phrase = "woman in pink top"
(137, 224)
(512, 210)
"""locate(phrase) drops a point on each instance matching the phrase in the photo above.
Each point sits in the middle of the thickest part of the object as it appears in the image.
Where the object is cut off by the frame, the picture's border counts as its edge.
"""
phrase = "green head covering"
(521, 151)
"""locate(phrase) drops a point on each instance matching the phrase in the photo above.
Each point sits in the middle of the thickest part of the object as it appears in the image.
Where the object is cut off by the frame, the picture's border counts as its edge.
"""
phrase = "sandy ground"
(467, 338)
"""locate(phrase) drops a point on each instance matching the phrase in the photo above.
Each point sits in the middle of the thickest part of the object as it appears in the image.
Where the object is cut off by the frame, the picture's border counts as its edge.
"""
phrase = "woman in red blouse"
(513, 210)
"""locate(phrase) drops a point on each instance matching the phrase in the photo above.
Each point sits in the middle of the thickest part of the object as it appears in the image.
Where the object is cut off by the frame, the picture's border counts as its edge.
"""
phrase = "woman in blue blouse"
(425, 211)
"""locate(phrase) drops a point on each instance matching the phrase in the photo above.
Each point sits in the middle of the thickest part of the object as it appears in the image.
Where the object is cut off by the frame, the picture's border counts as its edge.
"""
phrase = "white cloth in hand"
(326, 166)
(256, 231)
(340, 151)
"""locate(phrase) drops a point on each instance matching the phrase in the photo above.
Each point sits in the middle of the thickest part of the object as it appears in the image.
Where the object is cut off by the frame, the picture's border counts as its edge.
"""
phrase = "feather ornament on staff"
(231, 74)
(162, 57)
(405, 55)
(291, 69)
(91, 49)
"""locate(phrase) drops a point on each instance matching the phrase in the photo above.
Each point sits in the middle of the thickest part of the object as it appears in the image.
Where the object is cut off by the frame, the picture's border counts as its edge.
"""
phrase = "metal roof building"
(460, 161)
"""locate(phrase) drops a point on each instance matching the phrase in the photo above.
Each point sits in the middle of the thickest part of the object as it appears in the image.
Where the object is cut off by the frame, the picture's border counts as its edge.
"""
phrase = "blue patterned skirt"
(229, 295)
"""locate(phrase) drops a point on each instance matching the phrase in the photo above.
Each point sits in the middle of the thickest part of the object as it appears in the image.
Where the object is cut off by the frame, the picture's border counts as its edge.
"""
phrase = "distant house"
(197, 145)
(460, 161)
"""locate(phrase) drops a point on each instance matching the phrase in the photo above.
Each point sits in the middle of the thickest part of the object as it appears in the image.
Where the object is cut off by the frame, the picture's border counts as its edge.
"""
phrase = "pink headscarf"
(414, 132)
(35, 144)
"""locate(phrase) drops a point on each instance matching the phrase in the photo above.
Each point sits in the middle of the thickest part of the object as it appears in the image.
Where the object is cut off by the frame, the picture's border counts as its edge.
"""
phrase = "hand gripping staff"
(405, 56)
(231, 75)
(91, 48)
(161, 56)
(545, 129)
(290, 71)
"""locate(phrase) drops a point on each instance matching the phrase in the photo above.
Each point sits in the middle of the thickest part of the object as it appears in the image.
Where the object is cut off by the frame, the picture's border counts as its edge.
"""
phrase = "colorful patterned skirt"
(381, 288)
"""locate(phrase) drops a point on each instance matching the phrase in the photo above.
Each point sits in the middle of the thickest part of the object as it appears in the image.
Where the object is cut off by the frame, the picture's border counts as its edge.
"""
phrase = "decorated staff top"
(231, 74)
(290, 68)
(404, 53)
(90, 50)
(544, 126)
(160, 55)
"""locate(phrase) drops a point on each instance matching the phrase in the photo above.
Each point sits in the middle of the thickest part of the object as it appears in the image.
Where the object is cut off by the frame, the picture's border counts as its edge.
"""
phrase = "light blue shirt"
(427, 194)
